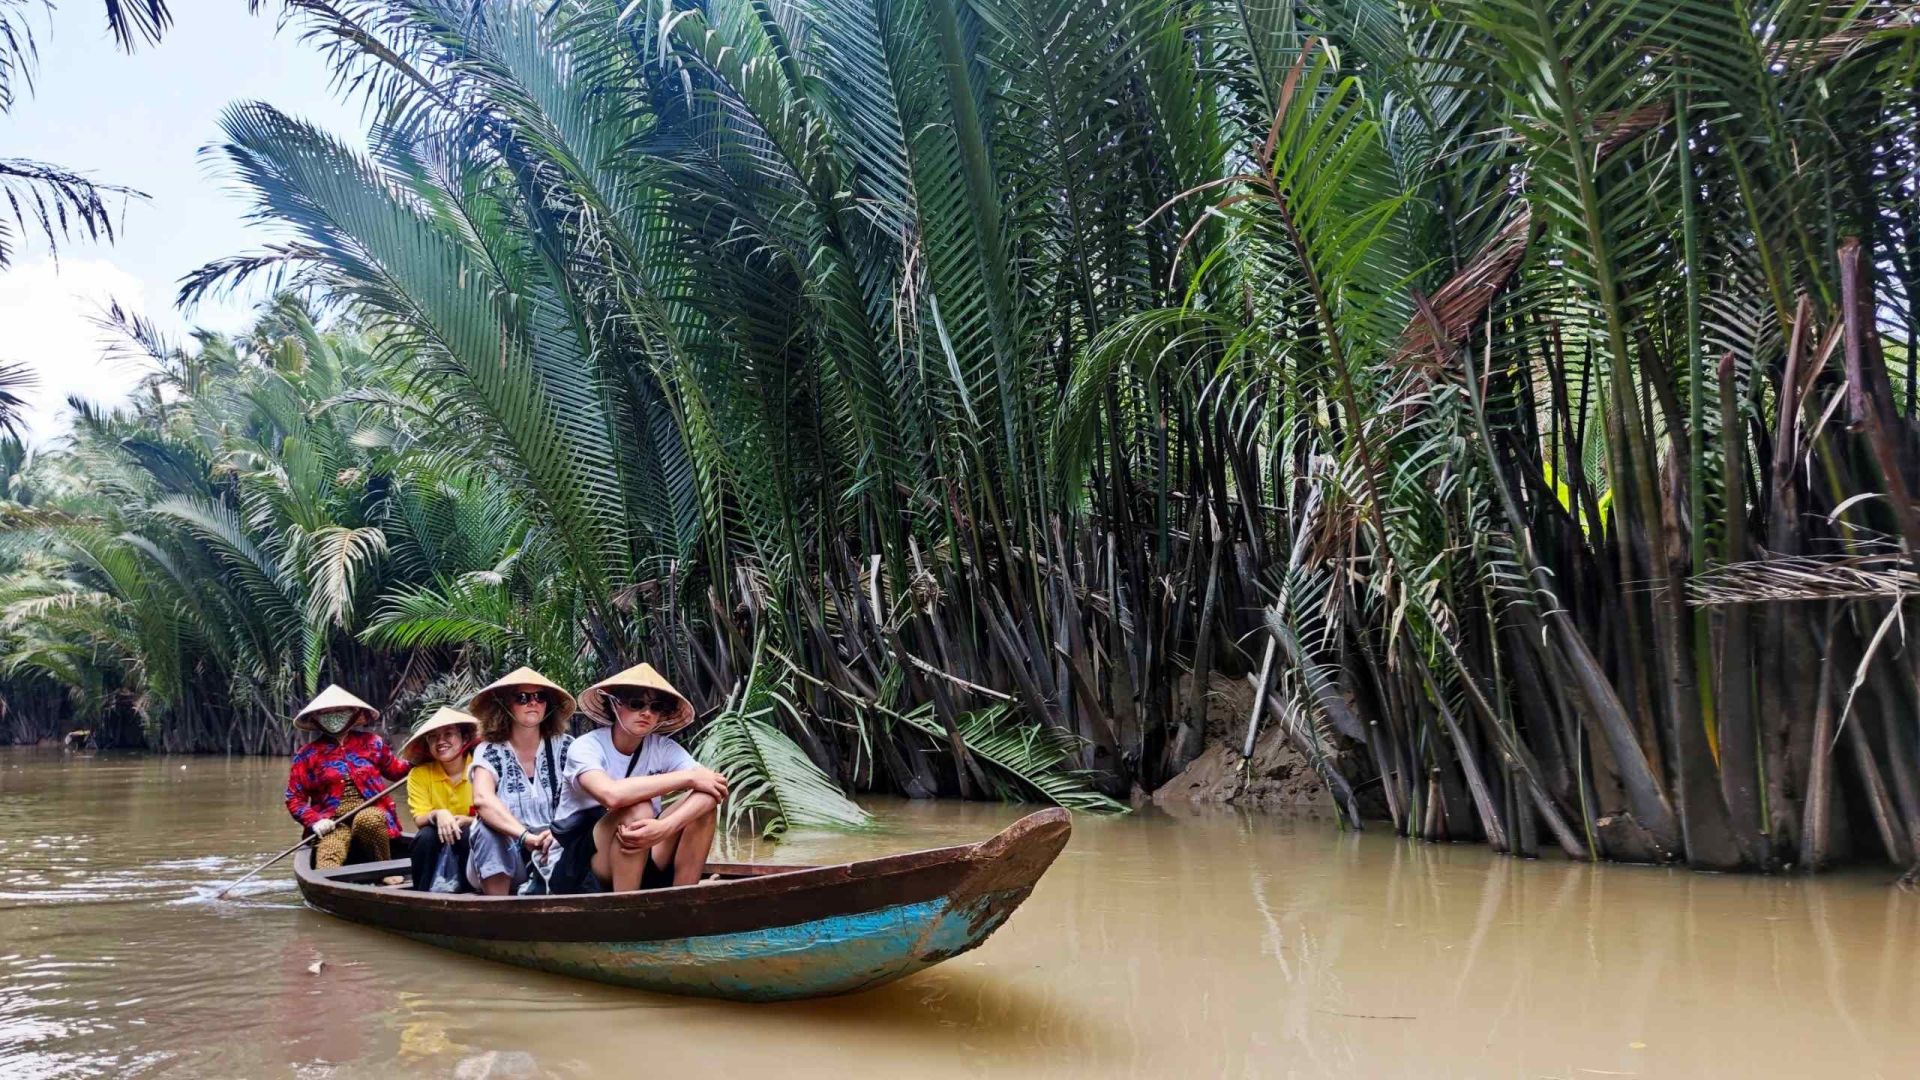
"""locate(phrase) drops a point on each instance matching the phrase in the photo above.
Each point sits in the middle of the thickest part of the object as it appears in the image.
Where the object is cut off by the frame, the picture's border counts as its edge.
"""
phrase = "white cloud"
(46, 313)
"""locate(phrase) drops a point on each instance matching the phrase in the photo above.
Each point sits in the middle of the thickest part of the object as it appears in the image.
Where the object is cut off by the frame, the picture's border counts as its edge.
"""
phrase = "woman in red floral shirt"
(337, 771)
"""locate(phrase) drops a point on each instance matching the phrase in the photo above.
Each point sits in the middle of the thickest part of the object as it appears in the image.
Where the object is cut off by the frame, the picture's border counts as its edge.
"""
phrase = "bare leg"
(619, 868)
(695, 840)
(497, 885)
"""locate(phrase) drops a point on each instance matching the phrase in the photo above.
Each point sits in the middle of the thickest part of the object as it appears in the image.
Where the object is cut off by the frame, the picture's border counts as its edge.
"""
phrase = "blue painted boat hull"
(819, 958)
(766, 933)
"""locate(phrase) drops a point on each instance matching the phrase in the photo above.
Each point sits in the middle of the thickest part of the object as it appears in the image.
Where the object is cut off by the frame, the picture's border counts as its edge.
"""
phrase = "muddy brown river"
(1160, 945)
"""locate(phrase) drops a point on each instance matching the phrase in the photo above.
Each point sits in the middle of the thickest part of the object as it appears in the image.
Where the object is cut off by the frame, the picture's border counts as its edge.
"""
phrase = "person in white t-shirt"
(617, 774)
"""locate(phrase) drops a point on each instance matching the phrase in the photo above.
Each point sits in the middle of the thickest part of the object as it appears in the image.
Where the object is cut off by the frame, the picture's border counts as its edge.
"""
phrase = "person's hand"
(539, 841)
(324, 826)
(447, 826)
(642, 834)
(707, 782)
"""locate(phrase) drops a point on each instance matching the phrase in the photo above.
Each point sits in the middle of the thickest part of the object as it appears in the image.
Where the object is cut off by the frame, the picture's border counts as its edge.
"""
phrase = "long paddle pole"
(311, 837)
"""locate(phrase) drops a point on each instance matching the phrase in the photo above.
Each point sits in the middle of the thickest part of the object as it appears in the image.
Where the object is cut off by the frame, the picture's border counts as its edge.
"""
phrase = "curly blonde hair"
(496, 717)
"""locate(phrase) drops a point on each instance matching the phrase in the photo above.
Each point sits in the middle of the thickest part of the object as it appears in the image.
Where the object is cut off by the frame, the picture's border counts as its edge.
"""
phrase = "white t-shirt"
(595, 750)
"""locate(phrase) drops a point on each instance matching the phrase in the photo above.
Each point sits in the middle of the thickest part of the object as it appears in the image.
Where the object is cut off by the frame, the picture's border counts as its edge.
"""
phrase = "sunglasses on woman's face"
(659, 703)
(528, 697)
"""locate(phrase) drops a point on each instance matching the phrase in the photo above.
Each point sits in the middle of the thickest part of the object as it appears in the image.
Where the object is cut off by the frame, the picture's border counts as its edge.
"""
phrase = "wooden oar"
(311, 837)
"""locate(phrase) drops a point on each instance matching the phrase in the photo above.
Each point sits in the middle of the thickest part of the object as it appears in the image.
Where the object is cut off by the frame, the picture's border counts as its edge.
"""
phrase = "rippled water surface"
(1198, 945)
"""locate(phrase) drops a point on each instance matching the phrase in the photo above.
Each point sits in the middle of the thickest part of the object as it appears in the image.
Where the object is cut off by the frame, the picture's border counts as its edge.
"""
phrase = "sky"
(141, 120)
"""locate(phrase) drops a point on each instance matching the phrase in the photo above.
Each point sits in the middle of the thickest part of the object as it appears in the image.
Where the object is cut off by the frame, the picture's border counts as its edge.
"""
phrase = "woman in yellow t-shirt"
(439, 793)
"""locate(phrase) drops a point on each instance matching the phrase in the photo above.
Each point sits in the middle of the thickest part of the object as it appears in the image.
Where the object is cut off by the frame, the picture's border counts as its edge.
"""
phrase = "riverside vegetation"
(1516, 391)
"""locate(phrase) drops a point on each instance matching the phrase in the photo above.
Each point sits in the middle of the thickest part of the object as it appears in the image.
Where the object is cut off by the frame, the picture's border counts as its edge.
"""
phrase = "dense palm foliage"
(199, 560)
(269, 516)
(1514, 390)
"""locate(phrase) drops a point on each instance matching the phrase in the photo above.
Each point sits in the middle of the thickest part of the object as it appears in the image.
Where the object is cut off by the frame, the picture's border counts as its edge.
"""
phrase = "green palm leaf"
(1026, 758)
(770, 778)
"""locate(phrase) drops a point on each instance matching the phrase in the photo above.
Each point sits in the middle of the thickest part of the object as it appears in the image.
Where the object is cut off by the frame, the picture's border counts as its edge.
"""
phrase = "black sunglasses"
(528, 697)
(645, 701)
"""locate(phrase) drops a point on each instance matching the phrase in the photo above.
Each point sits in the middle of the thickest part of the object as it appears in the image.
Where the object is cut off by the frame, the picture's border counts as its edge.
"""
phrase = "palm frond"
(770, 779)
(1027, 759)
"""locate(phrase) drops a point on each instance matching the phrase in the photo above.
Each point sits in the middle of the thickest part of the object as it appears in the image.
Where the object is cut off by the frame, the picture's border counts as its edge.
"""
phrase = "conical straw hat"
(561, 707)
(330, 699)
(593, 700)
(415, 748)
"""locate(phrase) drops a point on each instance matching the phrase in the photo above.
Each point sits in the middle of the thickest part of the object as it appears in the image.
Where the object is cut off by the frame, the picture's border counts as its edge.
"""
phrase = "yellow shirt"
(428, 789)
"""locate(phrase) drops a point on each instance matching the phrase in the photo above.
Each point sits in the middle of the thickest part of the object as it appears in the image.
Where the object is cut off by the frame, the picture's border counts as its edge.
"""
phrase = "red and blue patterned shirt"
(322, 767)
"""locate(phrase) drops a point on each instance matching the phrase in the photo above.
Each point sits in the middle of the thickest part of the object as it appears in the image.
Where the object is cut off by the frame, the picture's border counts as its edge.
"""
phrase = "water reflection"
(1193, 943)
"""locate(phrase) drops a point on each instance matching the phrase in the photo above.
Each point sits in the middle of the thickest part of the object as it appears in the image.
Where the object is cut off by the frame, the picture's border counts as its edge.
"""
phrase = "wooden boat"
(764, 932)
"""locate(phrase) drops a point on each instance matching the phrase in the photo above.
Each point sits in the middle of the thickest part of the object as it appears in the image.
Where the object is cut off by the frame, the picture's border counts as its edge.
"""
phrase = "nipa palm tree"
(971, 396)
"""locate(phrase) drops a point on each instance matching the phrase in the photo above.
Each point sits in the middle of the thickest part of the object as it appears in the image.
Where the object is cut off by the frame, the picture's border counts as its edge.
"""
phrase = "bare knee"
(640, 811)
(609, 841)
(703, 812)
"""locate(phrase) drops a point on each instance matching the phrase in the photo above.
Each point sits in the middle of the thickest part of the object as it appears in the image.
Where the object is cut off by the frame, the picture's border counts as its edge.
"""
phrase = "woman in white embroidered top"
(516, 779)
(616, 776)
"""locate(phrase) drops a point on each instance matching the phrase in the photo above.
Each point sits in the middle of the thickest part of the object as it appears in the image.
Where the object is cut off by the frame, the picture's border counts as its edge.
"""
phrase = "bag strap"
(634, 758)
(553, 779)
